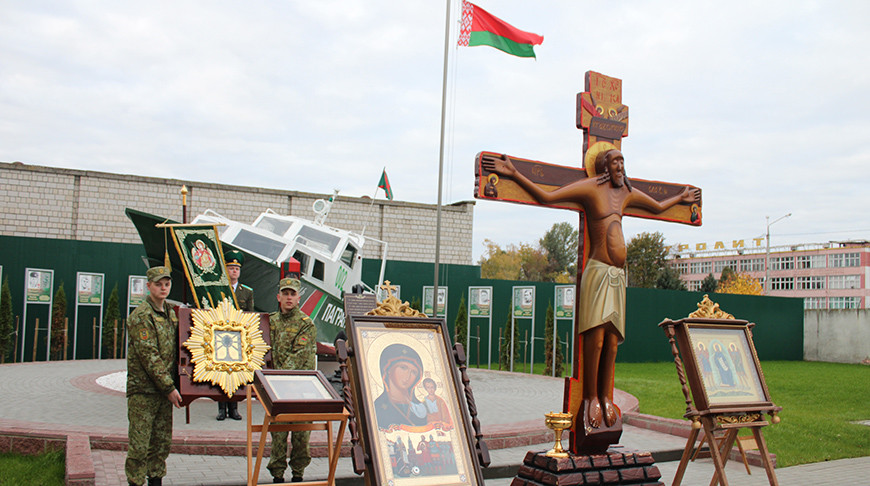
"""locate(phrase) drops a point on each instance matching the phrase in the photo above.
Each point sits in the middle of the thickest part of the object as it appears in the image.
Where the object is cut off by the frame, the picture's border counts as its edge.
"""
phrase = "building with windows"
(832, 275)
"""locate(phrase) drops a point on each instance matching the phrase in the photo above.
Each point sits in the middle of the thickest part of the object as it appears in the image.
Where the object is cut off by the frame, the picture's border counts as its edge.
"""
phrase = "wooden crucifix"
(601, 194)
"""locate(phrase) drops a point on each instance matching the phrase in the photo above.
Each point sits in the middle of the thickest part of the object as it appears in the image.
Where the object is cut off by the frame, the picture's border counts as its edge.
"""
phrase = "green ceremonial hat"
(289, 283)
(234, 257)
(156, 273)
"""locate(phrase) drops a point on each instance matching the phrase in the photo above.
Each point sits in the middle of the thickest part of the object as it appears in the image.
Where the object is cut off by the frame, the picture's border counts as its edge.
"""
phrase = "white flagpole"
(372, 204)
(441, 156)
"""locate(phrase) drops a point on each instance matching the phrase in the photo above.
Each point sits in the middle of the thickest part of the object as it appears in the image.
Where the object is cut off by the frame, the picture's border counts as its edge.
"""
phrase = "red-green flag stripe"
(385, 185)
(479, 28)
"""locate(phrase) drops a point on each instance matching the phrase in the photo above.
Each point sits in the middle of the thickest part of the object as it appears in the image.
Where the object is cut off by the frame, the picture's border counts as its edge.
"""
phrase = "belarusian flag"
(480, 28)
(385, 185)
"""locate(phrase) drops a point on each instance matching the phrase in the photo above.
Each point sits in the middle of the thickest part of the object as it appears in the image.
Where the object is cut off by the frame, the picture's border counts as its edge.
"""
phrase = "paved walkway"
(64, 397)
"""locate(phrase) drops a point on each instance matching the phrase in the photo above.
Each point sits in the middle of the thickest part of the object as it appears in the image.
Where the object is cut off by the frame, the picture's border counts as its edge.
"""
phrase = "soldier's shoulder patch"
(143, 334)
(306, 318)
(246, 287)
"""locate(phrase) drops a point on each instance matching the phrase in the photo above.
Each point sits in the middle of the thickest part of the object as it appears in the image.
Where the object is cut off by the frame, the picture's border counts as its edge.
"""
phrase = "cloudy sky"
(764, 105)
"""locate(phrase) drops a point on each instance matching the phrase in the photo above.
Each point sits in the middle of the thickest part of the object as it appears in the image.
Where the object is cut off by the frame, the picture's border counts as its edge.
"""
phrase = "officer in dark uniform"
(245, 298)
(293, 348)
(152, 359)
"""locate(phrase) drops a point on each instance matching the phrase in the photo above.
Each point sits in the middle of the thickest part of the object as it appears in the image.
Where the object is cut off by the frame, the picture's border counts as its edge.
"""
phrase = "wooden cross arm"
(490, 185)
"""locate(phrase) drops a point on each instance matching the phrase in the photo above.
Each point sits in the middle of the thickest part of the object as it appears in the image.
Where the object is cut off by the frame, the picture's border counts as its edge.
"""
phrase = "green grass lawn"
(42, 470)
(819, 400)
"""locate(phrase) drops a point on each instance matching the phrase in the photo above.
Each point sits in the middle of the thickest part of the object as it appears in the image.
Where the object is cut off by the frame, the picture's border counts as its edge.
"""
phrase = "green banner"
(564, 302)
(39, 285)
(428, 307)
(90, 288)
(480, 303)
(524, 301)
(203, 259)
(137, 290)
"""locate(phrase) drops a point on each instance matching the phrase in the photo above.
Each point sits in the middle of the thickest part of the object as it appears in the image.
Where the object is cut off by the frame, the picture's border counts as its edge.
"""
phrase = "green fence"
(778, 333)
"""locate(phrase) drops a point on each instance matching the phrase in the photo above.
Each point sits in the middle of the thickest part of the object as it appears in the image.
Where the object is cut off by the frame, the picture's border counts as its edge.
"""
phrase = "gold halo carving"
(592, 155)
(493, 178)
(229, 361)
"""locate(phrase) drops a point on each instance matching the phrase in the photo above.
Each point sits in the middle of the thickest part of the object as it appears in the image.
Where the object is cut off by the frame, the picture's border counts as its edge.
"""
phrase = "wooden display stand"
(722, 383)
(274, 423)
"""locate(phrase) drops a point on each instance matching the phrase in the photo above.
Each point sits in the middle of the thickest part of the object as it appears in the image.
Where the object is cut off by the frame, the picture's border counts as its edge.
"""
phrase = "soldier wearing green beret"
(152, 358)
(245, 298)
(293, 348)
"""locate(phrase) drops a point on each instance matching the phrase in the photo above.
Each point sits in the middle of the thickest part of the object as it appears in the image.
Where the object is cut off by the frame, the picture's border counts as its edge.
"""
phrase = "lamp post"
(767, 253)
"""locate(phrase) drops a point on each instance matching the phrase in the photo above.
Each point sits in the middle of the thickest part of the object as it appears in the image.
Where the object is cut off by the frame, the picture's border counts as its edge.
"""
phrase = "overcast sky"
(764, 105)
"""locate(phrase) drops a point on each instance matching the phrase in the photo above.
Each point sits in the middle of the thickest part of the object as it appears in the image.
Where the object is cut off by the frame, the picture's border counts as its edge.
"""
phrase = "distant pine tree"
(461, 324)
(550, 323)
(110, 319)
(58, 323)
(6, 318)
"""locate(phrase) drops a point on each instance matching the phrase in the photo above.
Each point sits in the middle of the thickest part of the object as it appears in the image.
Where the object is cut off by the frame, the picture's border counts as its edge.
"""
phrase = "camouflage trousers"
(300, 456)
(149, 435)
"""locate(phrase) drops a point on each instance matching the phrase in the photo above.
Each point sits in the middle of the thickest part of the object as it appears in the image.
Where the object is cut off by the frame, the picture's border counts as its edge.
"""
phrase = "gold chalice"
(558, 422)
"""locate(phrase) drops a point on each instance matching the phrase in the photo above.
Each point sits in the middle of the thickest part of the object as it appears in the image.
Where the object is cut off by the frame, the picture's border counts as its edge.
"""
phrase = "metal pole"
(767, 253)
(441, 151)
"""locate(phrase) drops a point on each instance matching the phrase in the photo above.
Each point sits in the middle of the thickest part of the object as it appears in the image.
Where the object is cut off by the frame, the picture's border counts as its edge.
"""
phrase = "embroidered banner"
(204, 266)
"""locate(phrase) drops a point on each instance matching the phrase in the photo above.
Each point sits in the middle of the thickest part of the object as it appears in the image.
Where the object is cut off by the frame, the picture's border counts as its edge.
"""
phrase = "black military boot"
(233, 410)
(155, 481)
(222, 411)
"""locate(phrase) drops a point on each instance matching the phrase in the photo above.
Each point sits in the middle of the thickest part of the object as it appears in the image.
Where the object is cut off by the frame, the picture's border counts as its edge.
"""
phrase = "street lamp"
(767, 253)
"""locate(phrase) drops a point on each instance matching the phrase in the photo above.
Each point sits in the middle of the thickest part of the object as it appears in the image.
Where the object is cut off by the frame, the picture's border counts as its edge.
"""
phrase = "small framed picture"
(296, 391)
(412, 409)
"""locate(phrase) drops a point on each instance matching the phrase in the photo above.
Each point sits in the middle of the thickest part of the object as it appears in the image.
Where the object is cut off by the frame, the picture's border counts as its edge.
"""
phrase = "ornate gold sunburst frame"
(226, 346)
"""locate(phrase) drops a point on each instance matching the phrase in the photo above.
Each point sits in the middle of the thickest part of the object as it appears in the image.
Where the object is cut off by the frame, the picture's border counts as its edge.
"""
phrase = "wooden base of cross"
(616, 466)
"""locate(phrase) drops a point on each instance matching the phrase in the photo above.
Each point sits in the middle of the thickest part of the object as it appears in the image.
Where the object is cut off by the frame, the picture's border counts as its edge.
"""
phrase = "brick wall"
(48, 202)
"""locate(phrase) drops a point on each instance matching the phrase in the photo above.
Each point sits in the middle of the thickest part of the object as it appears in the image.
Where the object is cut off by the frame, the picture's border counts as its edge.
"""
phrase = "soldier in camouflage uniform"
(293, 348)
(152, 358)
(245, 298)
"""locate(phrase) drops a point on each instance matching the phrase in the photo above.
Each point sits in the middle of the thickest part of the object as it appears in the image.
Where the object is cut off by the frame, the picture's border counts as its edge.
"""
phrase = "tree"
(416, 304)
(112, 318)
(461, 324)
(504, 347)
(549, 324)
(498, 263)
(709, 284)
(645, 259)
(58, 323)
(727, 274)
(534, 264)
(515, 262)
(560, 246)
(669, 279)
(6, 318)
(740, 283)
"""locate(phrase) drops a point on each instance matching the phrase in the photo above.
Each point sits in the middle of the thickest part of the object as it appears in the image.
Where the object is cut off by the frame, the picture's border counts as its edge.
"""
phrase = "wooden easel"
(712, 417)
(318, 421)
(740, 447)
(720, 449)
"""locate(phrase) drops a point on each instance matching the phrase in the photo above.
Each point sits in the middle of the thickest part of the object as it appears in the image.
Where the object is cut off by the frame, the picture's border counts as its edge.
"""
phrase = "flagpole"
(441, 159)
(371, 206)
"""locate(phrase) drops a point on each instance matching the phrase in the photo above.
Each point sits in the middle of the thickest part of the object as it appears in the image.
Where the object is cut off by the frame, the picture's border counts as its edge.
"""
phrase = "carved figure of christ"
(605, 196)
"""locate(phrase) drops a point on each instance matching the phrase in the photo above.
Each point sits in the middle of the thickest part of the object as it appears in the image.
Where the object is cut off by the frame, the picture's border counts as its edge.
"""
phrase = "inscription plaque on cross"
(601, 194)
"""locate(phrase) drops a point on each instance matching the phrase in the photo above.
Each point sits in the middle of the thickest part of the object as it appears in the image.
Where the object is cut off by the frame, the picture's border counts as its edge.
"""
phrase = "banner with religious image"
(204, 266)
